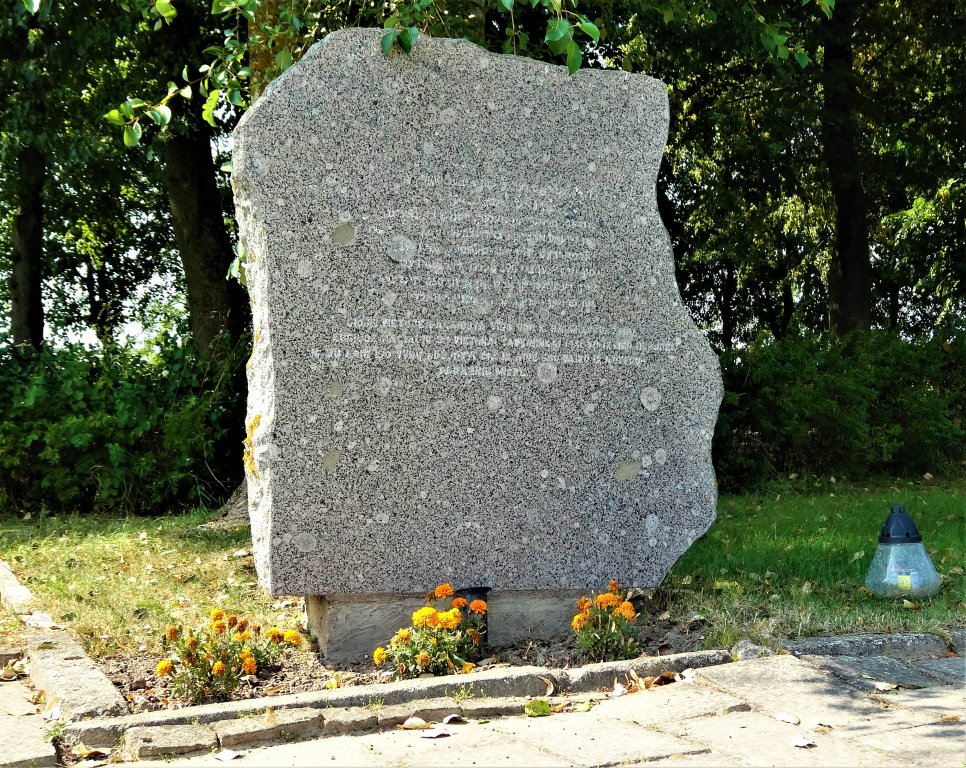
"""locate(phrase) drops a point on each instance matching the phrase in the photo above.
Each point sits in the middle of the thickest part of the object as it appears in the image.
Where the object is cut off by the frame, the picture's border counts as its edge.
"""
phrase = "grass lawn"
(772, 567)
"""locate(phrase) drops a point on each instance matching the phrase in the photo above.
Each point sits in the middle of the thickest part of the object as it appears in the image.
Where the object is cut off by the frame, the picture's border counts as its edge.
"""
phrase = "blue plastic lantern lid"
(899, 528)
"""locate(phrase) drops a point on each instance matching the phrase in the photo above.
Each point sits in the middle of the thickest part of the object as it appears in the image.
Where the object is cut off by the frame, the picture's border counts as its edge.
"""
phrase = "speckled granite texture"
(471, 359)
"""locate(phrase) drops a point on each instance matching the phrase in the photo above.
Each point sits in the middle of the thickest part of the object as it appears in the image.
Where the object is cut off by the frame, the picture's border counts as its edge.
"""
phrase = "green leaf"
(802, 58)
(115, 117)
(508, 4)
(556, 29)
(407, 38)
(132, 135)
(388, 39)
(590, 30)
(283, 59)
(391, 22)
(165, 9)
(234, 97)
(782, 52)
(574, 57)
(185, 92)
(208, 111)
(32, 6)
(164, 114)
(537, 708)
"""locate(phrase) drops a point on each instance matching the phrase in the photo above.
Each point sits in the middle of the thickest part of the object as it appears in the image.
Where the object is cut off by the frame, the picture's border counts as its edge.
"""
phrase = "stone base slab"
(349, 627)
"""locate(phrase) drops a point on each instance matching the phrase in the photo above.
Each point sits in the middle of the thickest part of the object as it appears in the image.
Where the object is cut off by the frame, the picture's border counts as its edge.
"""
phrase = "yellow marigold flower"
(249, 666)
(583, 605)
(292, 637)
(579, 621)
(243, 637)
(424, 616)
(191, 644)
(274, 634)
(613, 586)
(478, 606)
(467, 667)
(626, 610)
(219, 627)
(379, 656)
(422, 659)
(232, 620)
(218, 668)
(458, 602)
(164, 668)
(171, 633)
(402, 637)
(245, 653)
(217, 614)
(607, 600)
(443, 591)
(450, 619)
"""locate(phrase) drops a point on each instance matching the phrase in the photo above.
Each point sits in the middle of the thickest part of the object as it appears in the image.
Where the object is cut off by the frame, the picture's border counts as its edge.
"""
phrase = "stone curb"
(908, 645)
(486, 693)
(13, 596)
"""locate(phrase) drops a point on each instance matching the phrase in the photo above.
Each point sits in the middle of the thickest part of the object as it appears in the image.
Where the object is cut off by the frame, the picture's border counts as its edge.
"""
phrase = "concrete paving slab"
(906, 645)
(22, 742)
(937, 701)
(933, 745)
(790, 685)
(863, 671)
(951, 670)
(759, 740)
(705, 760)
(588, 739)
(678, 701)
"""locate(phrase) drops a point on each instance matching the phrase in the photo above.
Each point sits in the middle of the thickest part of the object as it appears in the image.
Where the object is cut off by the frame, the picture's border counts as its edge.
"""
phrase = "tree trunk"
(214, 304)
(850, 272)
(26, 275)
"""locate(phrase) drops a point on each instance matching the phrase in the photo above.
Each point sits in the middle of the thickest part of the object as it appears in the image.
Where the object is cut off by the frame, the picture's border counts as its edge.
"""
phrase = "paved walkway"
(777, 711)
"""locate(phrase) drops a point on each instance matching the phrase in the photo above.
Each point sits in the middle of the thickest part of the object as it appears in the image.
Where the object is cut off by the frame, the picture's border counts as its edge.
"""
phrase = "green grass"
(791, 565)
(772, 567)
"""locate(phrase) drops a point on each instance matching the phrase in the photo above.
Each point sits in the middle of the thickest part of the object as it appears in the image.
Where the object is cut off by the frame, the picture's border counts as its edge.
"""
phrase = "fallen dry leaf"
(537, 708)
(949, 719)
(435, 733)
(453, 719)
(787, 718)
(911, 605)
(803, 742)
(227, 754)
(585, 707)
(550, 686)
(83, 752)
(879, 685)
(414, 724)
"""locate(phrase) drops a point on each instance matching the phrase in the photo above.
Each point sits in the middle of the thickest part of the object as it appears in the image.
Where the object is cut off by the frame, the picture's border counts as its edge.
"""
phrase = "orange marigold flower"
(450, 619)
(164, 668)
(425, 617)
(607, 600)
(422, 659)
(218, 668)
(467, 667)
(292, 637)
(219, 627)
(402, 637)
(458, 602)
(242, 625)
(191, 644)
(379, 656)
(232, 620)
(477, 637)
(217, 614)
(274, 634)
(583, 605)
(245, 653)
(478, 606)
(579, 621)
(625, 610)
(249, 665)
(171, 633)
(443, 591)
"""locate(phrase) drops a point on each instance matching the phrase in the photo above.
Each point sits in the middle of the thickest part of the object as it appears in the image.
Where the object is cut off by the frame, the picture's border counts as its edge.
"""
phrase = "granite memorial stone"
(471, 362)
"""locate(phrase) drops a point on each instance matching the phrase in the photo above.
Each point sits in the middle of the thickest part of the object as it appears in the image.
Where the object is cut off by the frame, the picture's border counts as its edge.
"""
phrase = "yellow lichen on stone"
(249, 455)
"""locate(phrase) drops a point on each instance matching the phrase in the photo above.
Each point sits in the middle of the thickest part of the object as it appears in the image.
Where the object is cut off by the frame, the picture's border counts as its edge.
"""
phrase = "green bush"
(117, 429)
(869, 404)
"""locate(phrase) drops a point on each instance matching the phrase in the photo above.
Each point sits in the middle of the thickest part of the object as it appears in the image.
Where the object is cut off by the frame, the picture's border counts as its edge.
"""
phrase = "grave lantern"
(901, 565)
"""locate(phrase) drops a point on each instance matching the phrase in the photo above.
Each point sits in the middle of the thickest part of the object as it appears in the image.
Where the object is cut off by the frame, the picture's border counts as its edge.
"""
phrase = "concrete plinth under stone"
(350, 626)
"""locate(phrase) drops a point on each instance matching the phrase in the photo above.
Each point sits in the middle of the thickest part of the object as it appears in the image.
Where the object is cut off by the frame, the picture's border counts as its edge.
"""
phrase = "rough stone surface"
(906, 645)
(959, 641)
(471, 359)
(951, 670)
(168, 740)
(350, 719)
(287, 724)
(14, 597)
(22, 743)
(931, 745)
(60, 667)
(430, 710)
(745, 649)
(602, 675)
(863, 671)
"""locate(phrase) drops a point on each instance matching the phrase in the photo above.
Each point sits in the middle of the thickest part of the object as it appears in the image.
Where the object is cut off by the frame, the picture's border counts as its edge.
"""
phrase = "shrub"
(210, 663)
(439, 642)
(116, 429)
(605, 626)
